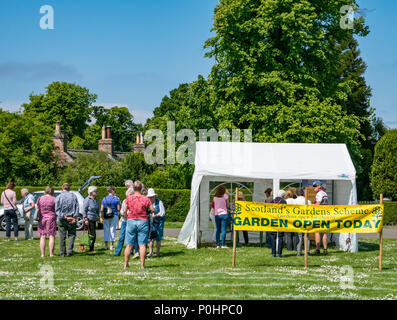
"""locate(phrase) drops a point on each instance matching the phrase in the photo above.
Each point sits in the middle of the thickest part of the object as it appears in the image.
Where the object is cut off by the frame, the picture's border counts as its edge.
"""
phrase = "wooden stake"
(306, 248)
(380, 238)
(234, 234)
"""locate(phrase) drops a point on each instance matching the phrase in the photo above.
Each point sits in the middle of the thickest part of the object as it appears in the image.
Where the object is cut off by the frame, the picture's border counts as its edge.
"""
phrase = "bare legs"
(43, 244)
(158, 246)
(142, 253)
(127, 254)
(318, 240)
(158, 243)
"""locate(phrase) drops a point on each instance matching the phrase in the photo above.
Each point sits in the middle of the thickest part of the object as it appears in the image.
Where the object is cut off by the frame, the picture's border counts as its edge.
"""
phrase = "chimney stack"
(139, 146)
(106, 143)
(60, 140)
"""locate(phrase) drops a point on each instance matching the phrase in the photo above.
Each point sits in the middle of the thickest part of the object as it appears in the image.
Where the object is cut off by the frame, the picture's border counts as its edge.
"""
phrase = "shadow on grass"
(170, 254)
(367, 246)
(161, 266)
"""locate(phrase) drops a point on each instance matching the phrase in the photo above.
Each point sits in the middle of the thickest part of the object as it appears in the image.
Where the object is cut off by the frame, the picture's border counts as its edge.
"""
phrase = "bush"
(384, 168)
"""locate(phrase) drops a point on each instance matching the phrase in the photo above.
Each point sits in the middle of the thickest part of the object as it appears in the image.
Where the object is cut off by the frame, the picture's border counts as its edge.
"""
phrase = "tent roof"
(274, 160)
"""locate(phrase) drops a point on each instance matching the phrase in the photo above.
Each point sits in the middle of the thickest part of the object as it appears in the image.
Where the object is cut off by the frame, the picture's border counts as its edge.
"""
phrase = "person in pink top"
(9, 201)
(47, 225)
(136, 211)
(221, 205)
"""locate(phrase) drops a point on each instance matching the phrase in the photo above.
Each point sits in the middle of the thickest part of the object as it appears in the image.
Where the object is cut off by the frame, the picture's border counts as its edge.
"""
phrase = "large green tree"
(66, 102)
(26, 150)
(189, 106)
(351, 70)
(276, 71)
(384, 169)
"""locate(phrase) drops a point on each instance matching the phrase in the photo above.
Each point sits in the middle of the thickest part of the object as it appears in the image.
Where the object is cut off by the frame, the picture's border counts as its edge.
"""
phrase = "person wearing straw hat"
(90, 213)
(157, 222)
(321, 199)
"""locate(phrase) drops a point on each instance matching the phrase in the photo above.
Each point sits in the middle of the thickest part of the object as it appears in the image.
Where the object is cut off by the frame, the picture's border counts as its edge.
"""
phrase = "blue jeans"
(277, 246)
(11, 215)
(221, 223)
(137, 231)
(120, 244)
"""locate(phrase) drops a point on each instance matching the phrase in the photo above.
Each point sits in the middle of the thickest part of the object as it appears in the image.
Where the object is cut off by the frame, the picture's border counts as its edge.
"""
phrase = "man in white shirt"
(321, 199)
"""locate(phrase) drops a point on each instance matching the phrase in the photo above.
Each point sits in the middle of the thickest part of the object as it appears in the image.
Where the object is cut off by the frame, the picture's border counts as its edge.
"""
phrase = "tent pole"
(380, 238)
(234, 233)
(305, 238)
(199, 217)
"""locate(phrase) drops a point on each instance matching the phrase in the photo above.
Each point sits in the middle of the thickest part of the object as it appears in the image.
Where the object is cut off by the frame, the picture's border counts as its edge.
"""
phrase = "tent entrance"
(246, 187)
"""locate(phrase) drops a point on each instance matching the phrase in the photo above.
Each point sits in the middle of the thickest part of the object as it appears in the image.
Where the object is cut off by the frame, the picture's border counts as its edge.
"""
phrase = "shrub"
(384, 168)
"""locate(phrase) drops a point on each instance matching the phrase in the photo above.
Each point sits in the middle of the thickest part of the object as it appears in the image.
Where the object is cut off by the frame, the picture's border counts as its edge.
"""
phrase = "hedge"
(176, 202)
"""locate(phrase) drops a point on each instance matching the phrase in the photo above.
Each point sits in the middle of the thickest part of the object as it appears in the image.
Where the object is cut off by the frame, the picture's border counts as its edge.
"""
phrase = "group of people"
(142, 218)
(221, 218)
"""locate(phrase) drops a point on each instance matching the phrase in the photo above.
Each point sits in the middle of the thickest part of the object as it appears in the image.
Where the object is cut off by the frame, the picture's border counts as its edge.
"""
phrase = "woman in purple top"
(47, 225)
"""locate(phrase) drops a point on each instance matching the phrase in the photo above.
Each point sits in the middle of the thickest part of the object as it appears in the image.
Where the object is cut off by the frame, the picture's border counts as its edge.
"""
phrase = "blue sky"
(132, 53)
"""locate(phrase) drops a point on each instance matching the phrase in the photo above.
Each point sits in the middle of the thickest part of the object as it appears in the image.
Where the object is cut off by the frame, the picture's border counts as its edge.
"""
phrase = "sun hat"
(282, 193)
(151, 193)
(92, 189)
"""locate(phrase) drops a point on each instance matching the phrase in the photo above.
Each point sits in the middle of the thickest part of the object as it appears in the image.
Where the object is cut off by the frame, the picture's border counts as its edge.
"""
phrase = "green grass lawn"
(198, 274)
(171, 224)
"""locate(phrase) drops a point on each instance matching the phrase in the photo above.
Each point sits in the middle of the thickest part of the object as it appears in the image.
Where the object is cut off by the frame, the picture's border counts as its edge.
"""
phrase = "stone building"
(105, 144)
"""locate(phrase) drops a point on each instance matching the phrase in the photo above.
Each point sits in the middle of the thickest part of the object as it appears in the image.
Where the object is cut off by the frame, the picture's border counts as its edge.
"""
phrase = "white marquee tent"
(266, 165)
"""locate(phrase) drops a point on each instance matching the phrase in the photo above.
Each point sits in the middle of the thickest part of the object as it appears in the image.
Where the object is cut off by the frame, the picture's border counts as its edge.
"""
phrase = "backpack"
(108, 211)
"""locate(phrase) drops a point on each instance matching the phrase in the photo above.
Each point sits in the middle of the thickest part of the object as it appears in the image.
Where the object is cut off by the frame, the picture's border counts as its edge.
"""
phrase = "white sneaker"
(217, 247)
(136, 255)
(111, 248)
(225, 247)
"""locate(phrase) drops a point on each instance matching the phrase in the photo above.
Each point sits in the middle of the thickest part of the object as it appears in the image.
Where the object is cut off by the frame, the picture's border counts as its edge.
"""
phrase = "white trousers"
(109, 229)
(29, 228)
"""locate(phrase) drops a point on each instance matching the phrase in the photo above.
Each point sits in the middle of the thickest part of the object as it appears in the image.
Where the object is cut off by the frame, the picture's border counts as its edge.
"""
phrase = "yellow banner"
(258, 216)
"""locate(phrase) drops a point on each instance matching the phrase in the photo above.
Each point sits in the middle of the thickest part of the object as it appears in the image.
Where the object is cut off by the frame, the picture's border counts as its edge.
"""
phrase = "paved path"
(388, 233)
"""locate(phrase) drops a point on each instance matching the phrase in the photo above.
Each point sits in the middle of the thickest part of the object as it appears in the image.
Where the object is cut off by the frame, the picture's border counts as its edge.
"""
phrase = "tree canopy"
(65, 102)
(25, 150)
